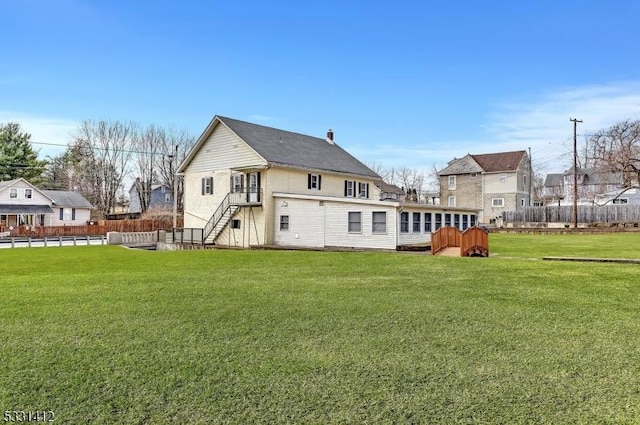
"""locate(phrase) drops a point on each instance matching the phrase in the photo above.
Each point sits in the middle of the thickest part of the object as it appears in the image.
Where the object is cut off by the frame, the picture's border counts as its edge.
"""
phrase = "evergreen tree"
(17, 157)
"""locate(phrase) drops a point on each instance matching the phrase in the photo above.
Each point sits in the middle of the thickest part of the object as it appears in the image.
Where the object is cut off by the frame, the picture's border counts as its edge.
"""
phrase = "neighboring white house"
(22, 204)
(247, 184)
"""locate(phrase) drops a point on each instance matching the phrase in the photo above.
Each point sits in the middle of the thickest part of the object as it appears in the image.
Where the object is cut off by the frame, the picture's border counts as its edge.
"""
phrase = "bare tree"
(412, 181)
(148, 144)
(100, 154)
(380, 170)
(617, 150)
(175, 146)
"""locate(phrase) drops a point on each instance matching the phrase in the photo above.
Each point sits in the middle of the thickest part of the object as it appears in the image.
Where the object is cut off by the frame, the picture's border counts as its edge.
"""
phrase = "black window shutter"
(61, 213)
(203, 186)
(211, 185)
(319, 182)
(345, 187)
(73, 213)
(367, 189)
(355, 187)
(258, 178)
(308, 181)
(231, 189)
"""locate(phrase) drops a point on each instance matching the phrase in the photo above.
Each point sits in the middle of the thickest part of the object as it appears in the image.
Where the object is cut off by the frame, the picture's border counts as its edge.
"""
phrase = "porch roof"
(25, 209)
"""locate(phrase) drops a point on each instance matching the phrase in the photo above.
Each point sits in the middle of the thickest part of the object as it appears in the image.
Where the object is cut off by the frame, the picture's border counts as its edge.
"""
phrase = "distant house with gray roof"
(22, 204)
(594, 187)
(247, 184)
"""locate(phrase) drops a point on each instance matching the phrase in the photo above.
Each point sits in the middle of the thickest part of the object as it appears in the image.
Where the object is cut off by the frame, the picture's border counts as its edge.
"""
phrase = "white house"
(247, 185)
(22, 204)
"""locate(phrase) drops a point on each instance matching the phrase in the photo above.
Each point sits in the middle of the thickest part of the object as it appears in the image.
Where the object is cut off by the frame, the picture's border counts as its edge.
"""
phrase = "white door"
(253, 187)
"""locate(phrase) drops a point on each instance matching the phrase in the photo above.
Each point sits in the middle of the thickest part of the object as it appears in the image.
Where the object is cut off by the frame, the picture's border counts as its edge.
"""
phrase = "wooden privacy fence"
(589, 214)
(473, 241)
(100, 228)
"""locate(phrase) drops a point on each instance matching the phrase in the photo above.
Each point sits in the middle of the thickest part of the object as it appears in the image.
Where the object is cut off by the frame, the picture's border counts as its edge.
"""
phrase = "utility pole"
(530, 177)
(175, 190)
(575, 170)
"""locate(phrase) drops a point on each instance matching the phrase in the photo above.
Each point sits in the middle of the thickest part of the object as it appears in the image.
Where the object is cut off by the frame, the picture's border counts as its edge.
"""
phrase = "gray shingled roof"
(553, 180)
(64, 198)
(298, 150)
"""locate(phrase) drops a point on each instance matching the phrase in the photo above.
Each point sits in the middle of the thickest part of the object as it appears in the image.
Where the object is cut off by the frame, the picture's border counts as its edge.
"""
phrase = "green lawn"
(109, 335)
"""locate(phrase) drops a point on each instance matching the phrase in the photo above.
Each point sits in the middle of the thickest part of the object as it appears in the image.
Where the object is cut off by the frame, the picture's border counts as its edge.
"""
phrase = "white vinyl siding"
(314, 223)
(223, 150)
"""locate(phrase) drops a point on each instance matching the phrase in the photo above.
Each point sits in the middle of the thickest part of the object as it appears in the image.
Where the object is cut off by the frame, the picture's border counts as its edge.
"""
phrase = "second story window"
(363, 190)
(452, 182)
(207, 185)
(314, 181)
(349, 188)
(13, 193)
(28, 193)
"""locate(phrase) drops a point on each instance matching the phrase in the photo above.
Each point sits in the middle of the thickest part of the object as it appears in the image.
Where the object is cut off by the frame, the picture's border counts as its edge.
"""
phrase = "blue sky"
(404, 83)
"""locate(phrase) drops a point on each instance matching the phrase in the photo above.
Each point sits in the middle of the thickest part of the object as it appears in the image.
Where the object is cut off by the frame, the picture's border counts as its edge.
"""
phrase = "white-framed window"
(237, 183)
(314, 181)
(163, 189)
(363, 190)
(503, 178)
(522, 202)
(473, 175)
(28, 193)
(415, 222)
(620, 201)
(404, 222)
(451, 201)
(284, 223)
(379, 222)
(207, 185)
(452, 182)
(349, 188)
(67, 214)
(497, 202)
(167, 197)
(13, 193)
(355, 222)
(427, 222)
(524, 180)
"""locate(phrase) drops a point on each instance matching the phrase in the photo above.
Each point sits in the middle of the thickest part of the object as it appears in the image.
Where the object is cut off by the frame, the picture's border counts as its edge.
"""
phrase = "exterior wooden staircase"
(451, 241)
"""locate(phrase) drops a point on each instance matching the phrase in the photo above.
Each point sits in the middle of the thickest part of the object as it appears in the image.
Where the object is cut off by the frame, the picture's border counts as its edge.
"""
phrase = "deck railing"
(472, 241)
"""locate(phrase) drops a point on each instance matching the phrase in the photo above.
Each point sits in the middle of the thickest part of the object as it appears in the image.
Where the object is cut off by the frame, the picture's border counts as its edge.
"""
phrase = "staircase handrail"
(215, 218)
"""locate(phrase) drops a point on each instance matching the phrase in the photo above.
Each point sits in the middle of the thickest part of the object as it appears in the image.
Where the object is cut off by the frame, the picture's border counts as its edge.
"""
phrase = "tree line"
(101, 157)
